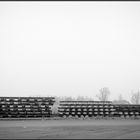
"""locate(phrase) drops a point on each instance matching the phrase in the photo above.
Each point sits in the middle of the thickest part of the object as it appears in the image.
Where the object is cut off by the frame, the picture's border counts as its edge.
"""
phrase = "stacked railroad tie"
(28, 107)
(25, 107)
(127, 110)
(86, 108)
(97, 109)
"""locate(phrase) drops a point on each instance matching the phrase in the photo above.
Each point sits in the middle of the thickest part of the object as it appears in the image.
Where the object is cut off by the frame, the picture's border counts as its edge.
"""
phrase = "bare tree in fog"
(120, 97)
(104, 94)
(68, 99)
(89, 99)
(54, 108)
(121, 100)
(80, 98)
(135, 98)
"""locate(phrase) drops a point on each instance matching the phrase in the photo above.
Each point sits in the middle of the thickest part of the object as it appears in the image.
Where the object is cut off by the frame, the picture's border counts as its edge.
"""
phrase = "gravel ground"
(70, 128)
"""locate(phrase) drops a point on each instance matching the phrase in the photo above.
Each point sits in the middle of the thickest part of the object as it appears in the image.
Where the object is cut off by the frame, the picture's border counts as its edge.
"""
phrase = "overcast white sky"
(69, 48)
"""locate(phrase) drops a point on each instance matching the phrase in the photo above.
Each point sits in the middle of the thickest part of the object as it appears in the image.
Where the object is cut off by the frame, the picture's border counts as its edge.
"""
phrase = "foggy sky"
(69, 48)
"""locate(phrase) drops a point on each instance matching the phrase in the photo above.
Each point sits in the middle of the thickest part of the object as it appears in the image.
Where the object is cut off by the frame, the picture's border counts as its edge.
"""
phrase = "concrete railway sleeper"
(29, 107)
(99, 109)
